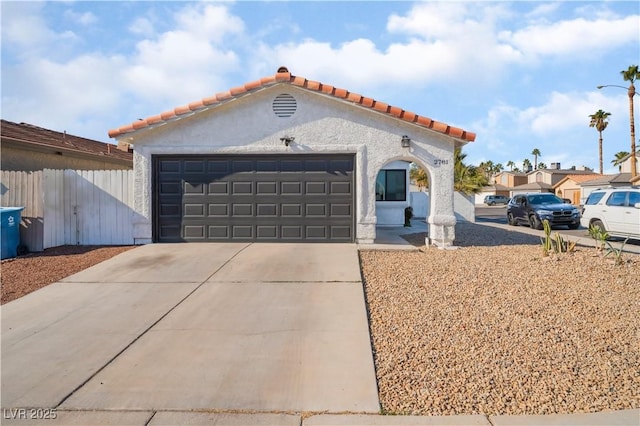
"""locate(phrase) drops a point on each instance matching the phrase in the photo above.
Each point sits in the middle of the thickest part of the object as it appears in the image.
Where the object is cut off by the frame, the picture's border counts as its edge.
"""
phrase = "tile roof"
(28, 134)
(578, 178)
(563, 172)
(620, 178)
(283, 76)
(532, 185)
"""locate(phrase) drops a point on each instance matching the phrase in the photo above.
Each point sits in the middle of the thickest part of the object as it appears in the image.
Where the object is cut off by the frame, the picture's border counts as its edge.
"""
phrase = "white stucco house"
(284, 158)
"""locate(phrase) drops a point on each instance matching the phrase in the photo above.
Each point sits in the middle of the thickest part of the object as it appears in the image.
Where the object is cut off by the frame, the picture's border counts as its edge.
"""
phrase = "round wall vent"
(284, 105)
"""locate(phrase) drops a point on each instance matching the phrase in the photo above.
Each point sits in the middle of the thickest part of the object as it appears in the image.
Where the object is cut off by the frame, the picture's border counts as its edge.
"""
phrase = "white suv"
(614, 210)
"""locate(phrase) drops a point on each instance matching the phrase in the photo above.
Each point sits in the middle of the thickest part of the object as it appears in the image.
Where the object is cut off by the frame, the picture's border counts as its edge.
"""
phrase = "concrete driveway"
(257, 327)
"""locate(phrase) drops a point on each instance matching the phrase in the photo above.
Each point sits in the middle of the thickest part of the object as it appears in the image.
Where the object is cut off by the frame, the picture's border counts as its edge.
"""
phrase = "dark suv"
(533, 209)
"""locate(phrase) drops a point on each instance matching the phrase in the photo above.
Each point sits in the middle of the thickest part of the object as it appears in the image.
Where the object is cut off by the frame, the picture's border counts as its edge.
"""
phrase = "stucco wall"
(321, 124)
(29, 161)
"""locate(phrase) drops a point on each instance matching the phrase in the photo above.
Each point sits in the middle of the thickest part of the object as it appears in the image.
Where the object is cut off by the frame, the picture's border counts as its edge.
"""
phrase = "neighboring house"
(537, 187)
(284, 158)
(510, 179)
(619, 180)
(554, 175)
(569, 187)
(625, 164)
(502, 184)
(544, 180)
(26, 147)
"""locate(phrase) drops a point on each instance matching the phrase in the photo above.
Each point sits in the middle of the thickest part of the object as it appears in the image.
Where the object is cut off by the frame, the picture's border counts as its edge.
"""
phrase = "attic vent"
(284, 105)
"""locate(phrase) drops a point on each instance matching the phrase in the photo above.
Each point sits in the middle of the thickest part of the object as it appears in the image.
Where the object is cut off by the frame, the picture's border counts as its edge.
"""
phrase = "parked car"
(533, 209)
(614, 210)
(492, 200)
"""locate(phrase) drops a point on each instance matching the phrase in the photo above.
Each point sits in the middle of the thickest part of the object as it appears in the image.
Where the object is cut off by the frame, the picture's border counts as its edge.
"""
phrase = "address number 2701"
(438, 162)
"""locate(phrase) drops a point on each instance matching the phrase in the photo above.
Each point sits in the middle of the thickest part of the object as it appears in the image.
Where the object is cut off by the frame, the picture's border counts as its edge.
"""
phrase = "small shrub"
(616, 253)
(599, 235)
(557, 244)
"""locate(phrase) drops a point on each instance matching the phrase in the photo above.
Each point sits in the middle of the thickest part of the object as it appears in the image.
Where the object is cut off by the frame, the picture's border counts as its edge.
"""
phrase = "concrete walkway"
(226, 334)
(258, 327)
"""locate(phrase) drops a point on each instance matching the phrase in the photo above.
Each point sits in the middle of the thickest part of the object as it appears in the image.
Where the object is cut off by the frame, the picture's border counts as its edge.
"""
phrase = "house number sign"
(439, 162)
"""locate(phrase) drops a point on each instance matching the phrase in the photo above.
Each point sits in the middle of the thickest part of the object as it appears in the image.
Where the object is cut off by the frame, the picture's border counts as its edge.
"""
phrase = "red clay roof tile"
(284, 76)
(340, 93)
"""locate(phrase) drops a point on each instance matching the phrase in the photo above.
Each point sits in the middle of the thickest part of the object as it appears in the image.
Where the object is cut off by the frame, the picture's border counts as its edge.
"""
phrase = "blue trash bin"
(10, 227)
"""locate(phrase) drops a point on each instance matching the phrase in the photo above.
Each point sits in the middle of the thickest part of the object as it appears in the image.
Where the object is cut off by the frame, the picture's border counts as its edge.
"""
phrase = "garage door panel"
(194, 210)
(218, 188)
(242, 231)
(242, 188)
(316, 188)
(291, 210)
(254, 198)
(267, 188)
(291, 188)
(267, 210)
(218, 210)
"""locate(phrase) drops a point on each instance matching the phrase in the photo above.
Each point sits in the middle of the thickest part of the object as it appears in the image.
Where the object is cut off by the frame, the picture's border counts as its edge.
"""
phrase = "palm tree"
(536, 152)
(526, 164)
(466, 179)
(542, 166)
(510, 164)
(632, 74)
(599, 121)
(419, 176)
(619, 156)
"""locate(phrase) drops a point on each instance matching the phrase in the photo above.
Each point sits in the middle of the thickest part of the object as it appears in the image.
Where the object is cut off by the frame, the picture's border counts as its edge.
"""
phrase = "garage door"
(254, 198)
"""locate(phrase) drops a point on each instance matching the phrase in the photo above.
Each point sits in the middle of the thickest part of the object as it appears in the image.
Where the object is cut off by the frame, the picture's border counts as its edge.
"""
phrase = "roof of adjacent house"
(578, 178)
(510, 172)
(28, 135)
(620, 178)
(532, 185)
(573, 172)
(283, 76)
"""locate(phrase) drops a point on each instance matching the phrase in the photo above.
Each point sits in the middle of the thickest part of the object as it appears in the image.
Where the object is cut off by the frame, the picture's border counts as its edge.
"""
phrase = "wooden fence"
(74, 207)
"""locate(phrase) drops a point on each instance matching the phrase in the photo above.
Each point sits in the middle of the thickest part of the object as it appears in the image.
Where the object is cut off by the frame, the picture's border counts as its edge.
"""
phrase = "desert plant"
(598, 234)
(546, 241)
(616, 253)
(555, 244)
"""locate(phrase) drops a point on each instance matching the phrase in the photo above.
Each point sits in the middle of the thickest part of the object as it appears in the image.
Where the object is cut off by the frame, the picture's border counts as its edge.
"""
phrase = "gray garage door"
(254, 198)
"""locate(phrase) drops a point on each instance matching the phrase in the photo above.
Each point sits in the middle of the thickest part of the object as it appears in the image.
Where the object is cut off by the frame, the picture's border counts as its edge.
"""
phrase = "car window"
(616, 198)
(545, 199)
(634, 197)
(594, 198)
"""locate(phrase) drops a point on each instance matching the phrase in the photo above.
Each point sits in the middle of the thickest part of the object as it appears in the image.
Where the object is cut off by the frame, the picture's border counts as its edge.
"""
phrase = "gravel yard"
(24, 274)
(491, 328)
(500, 329)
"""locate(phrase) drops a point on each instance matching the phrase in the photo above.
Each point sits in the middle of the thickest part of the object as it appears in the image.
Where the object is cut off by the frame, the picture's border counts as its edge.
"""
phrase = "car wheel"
(491, 204)
(511, 220)
(574, 226)
(598, 224)
(534, 222)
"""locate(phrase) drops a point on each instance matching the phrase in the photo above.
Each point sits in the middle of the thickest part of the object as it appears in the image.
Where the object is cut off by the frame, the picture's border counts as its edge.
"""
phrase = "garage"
(296, 197)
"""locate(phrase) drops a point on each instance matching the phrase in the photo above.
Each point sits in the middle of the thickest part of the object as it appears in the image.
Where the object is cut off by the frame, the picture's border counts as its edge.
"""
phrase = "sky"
(521, 75)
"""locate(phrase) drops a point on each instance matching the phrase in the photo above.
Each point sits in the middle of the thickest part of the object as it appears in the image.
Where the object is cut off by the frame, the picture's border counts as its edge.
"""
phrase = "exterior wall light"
(287, 140)
(405, 142)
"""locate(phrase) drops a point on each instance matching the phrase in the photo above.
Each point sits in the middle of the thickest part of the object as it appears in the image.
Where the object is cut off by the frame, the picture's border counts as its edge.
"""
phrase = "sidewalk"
(158, 418)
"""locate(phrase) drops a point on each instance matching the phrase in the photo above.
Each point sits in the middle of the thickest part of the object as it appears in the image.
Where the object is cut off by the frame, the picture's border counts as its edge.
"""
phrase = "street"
(498, 215)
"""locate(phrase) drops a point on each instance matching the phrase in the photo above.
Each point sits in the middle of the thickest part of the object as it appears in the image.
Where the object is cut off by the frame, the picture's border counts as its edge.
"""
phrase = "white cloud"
(24, 27)
(70, 93)
(186, 63)
(575, 37)
(86, 18)
(142, 26)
